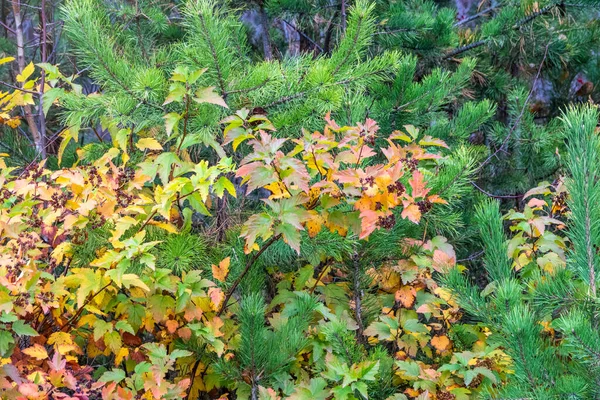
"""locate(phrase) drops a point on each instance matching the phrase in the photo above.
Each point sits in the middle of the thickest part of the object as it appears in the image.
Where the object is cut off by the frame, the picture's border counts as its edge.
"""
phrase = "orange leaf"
(418, 185)
(216, 297)
(184, 333)
(412, 212)
(220, 272)
(171, 325)
(440, 343)
(405, 296)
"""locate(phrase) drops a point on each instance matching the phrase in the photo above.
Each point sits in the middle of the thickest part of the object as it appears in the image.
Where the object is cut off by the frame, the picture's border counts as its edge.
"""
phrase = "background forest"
(299, 199)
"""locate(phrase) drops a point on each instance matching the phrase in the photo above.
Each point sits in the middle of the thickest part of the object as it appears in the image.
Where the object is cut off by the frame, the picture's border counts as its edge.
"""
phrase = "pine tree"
(544, 313)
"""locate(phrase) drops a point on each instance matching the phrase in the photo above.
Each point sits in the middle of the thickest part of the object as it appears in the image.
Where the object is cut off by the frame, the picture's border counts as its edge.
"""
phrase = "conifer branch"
(354, 42)
(518, 25)
(213, 52)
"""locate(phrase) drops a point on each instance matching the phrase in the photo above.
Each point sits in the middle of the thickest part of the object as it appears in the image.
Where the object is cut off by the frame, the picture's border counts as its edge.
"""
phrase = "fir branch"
(516, 123)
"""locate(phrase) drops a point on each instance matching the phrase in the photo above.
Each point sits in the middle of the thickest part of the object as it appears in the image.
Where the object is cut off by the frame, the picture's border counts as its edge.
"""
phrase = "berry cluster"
(410, 163)
(386, 222)
(5, 194)
(397, 188)
(26, 241)
(445, 396)
(33, 171)
(370, 181)
(94, 177)
(424, 206)
(22, 299)
(59, 199)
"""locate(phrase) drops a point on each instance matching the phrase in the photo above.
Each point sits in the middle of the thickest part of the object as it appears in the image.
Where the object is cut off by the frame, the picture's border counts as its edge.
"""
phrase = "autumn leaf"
(417, 184)
(148, 144)
(36, 351)
(220, 271)
(208, 95)
(440, 343)
(405, 296)
(412, 212)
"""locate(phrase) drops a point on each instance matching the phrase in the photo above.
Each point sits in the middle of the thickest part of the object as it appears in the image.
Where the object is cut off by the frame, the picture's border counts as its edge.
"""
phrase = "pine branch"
(213, 53)
(354, 42)
(517, 26)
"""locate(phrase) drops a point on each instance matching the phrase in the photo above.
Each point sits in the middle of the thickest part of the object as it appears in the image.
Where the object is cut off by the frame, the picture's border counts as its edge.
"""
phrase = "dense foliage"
(299, 200)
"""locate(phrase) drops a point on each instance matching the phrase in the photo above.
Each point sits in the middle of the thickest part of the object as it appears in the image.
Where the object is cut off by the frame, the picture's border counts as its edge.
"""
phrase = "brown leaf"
(131, 340)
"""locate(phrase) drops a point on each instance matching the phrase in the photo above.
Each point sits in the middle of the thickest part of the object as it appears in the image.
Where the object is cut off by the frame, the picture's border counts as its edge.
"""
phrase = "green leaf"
(172, 122)
(6, 342)
(21, 329)
(116, 375)
(125, 327)
(113, 341)
(176, 93)
(223, 184)
(49, 97)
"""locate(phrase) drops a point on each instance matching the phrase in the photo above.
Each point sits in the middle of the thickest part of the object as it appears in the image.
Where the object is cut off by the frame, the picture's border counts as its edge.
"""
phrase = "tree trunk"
(38, 139)
(266, 38)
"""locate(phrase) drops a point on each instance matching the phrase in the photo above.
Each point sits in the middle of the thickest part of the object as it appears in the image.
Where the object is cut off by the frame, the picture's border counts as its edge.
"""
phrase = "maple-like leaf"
(36, 351)
(440, 343)
(221, 271)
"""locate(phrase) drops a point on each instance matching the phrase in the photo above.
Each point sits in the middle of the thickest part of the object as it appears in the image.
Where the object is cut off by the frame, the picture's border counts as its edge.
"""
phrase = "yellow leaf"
(220, 272)
(26, 73)
(440, 343)
(278, 190)
(148, 143)
(167, 226)
(36, 351)
(6, 59)
(121, 354)
(314, 225)
(59, 338)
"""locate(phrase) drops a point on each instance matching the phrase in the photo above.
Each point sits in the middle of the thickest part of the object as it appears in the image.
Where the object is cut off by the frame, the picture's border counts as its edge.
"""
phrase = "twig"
(475, 16)
(496, 196)
(304, 35)
(18, 88)
(38, 140)
(518, 25)
(514, 127)
(249, 265)
(43, 45)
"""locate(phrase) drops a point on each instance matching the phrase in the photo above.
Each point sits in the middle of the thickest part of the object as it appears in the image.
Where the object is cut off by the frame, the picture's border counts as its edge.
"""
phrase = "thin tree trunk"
(38, 139)
(266, 38)
(357, 297)
(44, 53)
(343, 22)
